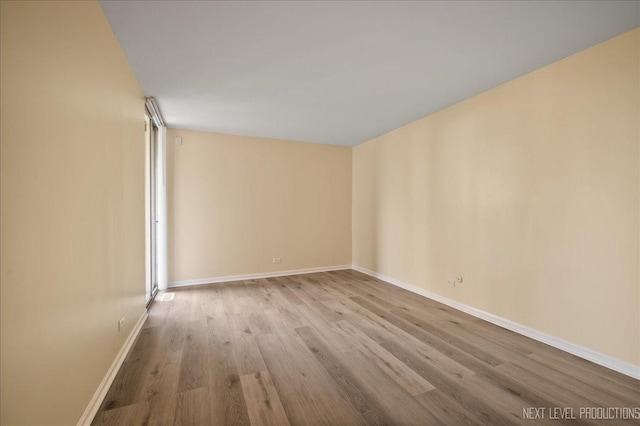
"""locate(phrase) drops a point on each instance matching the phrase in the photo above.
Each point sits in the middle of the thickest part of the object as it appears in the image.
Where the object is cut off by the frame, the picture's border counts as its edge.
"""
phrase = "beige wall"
(529, 191)
(72, 207)
(235, 203)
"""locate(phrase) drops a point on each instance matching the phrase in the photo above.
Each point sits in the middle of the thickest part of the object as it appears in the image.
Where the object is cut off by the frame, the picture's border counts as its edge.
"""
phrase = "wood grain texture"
(340, 348)
(263, 402)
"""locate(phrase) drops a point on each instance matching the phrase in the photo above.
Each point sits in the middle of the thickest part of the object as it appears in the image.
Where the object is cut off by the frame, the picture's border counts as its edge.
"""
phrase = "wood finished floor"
(341, 348)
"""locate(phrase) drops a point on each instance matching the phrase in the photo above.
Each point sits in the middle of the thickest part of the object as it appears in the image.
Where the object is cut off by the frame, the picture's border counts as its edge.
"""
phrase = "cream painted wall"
(72, 207)
(529, 191)
(235, 203)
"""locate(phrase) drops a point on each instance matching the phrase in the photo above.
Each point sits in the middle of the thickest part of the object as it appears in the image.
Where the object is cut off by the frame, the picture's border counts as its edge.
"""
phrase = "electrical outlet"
(121, 324)
(277, 260)
(451, 283)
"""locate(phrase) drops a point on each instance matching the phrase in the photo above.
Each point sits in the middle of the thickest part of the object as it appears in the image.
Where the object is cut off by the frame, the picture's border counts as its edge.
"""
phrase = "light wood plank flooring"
(342, 348)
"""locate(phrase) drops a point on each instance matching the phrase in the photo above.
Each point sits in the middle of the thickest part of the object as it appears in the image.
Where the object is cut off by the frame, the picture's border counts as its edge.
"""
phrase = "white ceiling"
(342, 72)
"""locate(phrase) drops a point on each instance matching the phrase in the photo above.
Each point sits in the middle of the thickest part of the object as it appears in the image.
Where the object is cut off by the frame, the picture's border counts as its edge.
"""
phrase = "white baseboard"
(229, 278)
(101, 392)
(580, 351)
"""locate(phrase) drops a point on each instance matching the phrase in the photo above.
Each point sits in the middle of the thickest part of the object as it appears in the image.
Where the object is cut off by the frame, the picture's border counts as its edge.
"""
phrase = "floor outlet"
(166, 297)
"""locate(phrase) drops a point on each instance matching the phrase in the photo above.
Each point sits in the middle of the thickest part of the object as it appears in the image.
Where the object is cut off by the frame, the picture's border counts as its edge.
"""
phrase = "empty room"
(319, 212)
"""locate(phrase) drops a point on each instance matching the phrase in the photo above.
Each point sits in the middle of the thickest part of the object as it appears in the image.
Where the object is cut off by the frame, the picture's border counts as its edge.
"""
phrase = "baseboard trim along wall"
(229, 278)
(572, 348)
(101, 392)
